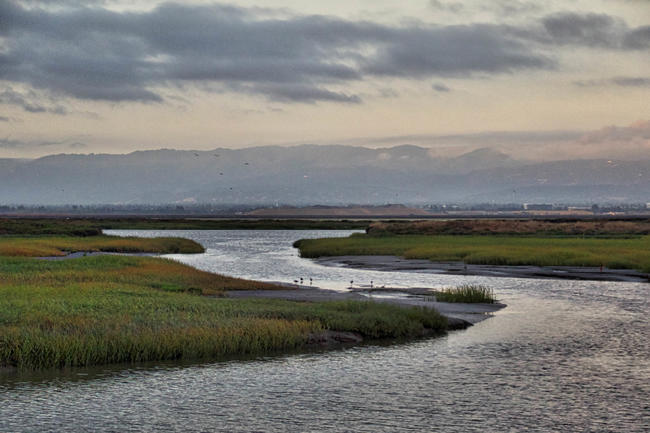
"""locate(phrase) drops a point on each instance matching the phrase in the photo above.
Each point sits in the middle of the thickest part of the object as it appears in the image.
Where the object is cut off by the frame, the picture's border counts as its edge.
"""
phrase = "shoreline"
(389, 263)
(79, 254)
(459, 315)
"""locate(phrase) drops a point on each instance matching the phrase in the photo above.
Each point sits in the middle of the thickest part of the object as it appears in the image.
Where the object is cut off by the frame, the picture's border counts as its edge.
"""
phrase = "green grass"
(615, 253)
(39, 246)
(118, 309)
(467, 293)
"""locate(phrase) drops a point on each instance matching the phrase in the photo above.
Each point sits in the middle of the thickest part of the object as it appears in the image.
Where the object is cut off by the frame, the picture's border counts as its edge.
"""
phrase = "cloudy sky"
(117, 76)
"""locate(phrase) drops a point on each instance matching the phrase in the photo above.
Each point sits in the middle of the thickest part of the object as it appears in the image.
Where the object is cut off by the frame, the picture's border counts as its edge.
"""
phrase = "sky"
(538, 79)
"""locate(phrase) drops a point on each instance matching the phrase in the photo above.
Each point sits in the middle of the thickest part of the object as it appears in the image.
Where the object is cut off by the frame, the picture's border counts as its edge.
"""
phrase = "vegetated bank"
(40, 246)
(123, 309)
(521, 227)
(563, 245)
(93, 226)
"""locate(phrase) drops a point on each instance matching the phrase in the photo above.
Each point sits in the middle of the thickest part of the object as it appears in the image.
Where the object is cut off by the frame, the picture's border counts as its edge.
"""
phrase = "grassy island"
(467, 293)
(41, 246)
(616, 246)
(122, 309)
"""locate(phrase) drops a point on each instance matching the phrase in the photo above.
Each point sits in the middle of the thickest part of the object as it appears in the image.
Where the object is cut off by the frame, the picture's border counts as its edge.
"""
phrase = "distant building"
(538, 206)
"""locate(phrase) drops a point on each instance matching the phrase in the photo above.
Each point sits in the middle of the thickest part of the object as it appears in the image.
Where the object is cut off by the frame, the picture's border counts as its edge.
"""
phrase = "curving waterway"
(568, 356)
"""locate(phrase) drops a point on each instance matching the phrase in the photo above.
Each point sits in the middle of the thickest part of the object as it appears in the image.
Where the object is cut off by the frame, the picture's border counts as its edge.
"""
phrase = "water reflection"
(563, 356)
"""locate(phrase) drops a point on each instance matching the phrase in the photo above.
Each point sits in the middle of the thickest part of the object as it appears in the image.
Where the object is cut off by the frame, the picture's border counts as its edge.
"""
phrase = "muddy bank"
(398, 264)
(459, 315)
(78, 254)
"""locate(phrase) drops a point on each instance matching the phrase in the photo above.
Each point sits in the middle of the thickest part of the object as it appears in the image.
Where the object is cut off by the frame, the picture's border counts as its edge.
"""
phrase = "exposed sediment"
(398, 264)
(459, 315)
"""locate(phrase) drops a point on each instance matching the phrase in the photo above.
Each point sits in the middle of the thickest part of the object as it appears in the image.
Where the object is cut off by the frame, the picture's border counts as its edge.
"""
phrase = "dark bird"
(196, 154)
(246, 163)
(216, 155)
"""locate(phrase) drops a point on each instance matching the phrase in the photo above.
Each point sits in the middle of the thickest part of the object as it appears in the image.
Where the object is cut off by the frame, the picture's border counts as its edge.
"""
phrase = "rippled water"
(563, 356)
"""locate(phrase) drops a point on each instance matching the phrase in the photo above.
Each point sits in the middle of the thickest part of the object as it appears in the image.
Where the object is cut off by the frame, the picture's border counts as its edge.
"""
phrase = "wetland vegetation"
(40, 246)
(94, 226)
(631, 252)
(466, 293)
(124, 309)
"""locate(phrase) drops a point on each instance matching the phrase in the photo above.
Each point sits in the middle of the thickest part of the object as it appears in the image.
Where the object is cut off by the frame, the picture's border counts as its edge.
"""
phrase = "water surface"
(563, 356)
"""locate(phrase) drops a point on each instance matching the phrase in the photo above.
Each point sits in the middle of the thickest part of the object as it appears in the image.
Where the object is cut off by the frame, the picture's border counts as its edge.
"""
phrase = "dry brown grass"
(513, 227)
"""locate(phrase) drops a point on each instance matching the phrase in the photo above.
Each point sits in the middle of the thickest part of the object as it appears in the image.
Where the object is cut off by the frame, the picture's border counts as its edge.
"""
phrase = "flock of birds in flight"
(216, 155)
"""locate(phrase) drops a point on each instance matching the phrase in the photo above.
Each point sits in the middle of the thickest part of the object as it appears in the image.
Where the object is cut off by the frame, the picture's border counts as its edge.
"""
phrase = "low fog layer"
(310, 174)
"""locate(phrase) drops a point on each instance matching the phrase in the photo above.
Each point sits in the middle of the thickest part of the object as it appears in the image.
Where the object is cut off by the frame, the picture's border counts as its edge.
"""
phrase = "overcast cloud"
(99, 54)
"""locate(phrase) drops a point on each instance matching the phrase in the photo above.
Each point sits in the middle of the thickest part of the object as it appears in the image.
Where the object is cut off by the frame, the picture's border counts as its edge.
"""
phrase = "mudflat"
(459, 315)
(395, 263)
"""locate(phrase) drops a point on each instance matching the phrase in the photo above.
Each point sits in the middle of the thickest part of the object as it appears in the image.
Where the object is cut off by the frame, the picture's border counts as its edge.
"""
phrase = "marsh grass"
(520, 227)
(467, 293)
(94, 226)
(118, 309)
(40, 246)
(613, 253)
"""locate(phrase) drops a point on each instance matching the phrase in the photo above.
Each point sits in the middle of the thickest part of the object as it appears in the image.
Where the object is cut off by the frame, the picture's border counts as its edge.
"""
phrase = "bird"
(196, 154)
(246, 163)
(216, 155)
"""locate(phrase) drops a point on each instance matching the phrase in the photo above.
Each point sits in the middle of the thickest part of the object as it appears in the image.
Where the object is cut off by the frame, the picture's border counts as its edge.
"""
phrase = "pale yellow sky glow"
(114, 77)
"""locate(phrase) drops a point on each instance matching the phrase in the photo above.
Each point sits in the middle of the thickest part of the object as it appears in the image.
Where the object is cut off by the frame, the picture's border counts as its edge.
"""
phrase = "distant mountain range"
(311, 174)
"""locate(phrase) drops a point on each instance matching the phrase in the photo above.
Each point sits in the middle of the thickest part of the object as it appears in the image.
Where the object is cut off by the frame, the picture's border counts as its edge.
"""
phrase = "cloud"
(612, 142)
(591, 30)
(99, 54)
(447, 6)
(632, 81)
(637, 39)
(94, 53)
(28, 102)
(439, 87)
(496, 7)
(639, 131)
(615, 81)
(10, 143)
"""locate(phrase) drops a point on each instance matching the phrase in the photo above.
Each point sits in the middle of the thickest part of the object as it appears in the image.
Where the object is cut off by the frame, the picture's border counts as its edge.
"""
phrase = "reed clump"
(466, 293)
